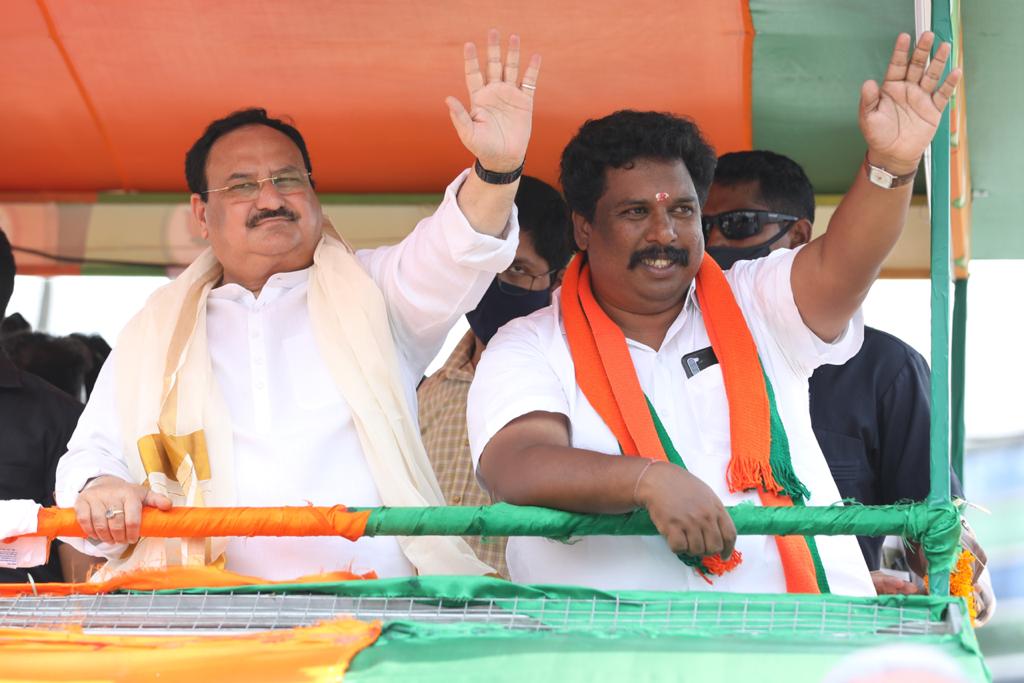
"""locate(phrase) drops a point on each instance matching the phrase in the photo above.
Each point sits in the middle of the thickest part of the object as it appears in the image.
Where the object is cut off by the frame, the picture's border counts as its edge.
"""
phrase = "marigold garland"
(961, 582)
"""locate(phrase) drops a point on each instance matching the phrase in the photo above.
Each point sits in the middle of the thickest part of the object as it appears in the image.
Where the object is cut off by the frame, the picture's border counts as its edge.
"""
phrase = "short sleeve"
(514, 377)
(764, 291)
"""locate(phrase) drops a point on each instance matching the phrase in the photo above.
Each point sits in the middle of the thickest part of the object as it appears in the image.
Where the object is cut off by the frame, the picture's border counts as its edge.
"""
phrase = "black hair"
(782, 184)
(64, 362)
(619, 139)
(99, 349)
(545, 217)
(7, 269)
(195, 158)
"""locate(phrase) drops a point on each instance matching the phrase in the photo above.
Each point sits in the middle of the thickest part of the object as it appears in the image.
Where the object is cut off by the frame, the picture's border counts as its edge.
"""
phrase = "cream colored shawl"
(177, 432)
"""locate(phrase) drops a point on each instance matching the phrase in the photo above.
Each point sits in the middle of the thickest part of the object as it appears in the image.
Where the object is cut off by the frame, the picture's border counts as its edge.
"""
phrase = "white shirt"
(294, 439)
(527, 367)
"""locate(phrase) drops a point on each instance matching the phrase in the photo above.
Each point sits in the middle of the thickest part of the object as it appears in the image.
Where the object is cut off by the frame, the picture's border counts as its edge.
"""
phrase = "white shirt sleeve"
(94, 450)
(514, 377)
(435, 275)
(764, 291)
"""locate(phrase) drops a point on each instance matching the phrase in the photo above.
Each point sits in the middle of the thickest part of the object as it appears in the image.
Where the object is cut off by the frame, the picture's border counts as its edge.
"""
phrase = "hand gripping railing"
(935, 527)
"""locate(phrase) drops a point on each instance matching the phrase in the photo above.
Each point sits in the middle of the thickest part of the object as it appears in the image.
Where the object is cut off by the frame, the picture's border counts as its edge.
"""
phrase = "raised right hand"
(110, 509)
(686, 511)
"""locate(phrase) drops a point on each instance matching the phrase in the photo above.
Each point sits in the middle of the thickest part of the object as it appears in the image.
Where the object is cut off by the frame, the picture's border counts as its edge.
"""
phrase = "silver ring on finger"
(528, 86)
(111, 513)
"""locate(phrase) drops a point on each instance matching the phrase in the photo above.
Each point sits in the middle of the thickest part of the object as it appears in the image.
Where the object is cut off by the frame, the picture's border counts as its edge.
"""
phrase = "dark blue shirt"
(36, 422)
(871, 417)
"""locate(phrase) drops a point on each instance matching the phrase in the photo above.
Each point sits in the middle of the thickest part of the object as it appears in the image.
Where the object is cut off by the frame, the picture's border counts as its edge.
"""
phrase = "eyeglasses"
(516, 281)
(289, 183)
(738, 225)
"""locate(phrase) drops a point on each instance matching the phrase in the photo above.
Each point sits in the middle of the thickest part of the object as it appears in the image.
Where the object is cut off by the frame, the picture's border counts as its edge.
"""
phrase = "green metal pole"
(958, 377)
(941, 279)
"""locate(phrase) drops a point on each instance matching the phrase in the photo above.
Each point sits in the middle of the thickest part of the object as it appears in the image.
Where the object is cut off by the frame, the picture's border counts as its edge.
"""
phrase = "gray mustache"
(264, 214)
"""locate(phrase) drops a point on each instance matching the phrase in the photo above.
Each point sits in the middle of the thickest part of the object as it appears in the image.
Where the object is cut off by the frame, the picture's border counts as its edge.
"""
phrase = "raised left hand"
(496, 128)
(900, 117)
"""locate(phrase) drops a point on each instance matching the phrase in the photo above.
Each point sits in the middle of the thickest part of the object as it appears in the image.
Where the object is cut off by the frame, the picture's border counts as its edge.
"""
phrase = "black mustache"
(264, 214)
(673, 254)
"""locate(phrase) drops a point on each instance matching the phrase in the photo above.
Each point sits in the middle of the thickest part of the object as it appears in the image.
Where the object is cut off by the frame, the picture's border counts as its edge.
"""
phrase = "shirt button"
(259, 385)
(457, 499)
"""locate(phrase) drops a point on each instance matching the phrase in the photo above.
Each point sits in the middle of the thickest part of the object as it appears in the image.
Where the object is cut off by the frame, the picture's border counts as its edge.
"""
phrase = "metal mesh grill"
(704, 615)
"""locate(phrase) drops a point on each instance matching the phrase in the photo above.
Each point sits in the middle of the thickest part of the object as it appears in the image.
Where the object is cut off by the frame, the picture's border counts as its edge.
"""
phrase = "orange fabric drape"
(204, 522)
(169, 578)
(316, 653)
(605, 374)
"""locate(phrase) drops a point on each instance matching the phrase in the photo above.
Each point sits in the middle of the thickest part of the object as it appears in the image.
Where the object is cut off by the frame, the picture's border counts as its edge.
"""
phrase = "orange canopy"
(105, 95)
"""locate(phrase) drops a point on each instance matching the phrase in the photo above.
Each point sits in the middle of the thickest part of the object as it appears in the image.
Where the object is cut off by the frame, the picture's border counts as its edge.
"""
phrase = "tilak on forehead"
(661, 197)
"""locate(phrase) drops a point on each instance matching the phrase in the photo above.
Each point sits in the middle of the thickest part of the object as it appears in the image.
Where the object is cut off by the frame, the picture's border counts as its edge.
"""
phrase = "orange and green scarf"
(760, 449)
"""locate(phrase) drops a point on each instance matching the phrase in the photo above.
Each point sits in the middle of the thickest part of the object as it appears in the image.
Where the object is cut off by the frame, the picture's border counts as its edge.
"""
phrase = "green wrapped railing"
(935, 527)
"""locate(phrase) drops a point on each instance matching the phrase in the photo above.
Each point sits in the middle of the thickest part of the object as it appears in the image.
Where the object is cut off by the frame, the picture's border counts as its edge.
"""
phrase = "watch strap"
(883, 178)
(495, 178)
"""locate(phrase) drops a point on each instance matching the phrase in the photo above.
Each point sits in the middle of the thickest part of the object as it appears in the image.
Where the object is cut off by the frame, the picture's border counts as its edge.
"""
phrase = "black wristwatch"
(497, 178)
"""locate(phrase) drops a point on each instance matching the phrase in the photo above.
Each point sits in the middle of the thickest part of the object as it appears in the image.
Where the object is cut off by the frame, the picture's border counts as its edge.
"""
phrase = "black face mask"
(725, 257)
(497, 307)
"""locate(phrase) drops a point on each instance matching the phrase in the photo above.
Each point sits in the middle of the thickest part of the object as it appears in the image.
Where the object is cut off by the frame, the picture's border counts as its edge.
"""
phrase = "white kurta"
(527, 367)
(294, 438)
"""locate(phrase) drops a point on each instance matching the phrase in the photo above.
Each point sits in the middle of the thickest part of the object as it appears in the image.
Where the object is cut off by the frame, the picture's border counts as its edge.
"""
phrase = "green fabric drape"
(576, 633)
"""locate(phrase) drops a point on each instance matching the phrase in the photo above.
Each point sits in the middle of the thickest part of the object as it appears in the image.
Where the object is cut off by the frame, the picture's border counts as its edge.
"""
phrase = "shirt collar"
(459, 366)
(276, 285)
(10, 378)
(690, 307)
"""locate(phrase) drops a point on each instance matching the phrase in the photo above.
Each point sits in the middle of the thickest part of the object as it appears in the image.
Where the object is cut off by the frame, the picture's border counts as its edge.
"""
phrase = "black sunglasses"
(739, 225)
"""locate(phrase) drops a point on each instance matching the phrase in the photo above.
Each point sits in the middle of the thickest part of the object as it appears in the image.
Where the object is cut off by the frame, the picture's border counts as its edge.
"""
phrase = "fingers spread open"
(531, 75)
(933, 73)
(941, 96)
(897, 70)
(460, 117)
(493, 56)
(869, 97)
(919, 58)
(512, 60)
(474, 79)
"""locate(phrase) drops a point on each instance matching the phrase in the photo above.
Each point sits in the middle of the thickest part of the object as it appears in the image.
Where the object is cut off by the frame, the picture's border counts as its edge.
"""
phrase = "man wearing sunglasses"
(871, 414)
(524, 287)
(280, 367)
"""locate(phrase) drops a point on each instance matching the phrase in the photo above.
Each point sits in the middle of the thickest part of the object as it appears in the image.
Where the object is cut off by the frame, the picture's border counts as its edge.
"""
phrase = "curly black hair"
(544, 215)
(782, 184)
(617, 140)
(195, 158)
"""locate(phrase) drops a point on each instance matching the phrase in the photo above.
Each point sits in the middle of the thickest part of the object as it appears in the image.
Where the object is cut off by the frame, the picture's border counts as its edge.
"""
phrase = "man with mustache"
(697, 377)
(280, 367)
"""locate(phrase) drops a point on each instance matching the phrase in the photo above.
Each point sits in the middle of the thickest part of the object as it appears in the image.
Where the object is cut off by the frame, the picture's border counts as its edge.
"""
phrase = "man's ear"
(199, 213)
(581, 230)
(800, 233)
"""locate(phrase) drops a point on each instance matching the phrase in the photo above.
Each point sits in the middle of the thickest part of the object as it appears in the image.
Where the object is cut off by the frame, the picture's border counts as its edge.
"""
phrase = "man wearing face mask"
(523, 288)
(871, 414)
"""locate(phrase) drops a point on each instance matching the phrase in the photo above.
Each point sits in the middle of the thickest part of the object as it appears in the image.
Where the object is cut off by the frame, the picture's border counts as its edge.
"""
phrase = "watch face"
(880, 177)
